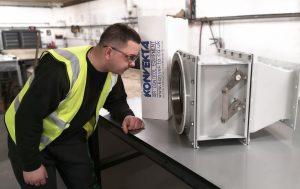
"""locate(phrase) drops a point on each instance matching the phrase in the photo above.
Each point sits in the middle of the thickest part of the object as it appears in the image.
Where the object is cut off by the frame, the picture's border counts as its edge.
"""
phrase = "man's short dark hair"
(119, 34)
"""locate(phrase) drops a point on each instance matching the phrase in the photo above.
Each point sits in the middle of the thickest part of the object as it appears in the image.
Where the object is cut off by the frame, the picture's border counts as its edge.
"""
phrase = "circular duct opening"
(177, 92)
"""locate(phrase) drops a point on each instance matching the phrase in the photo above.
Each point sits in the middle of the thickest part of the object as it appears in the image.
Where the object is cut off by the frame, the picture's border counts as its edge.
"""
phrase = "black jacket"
(48, 88)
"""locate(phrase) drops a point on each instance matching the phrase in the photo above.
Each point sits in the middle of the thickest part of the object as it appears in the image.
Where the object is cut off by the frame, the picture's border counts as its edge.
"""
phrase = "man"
(57, 109)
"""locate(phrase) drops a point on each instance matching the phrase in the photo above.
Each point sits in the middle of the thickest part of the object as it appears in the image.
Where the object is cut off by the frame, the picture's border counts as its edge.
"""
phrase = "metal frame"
(186, 99)
(245, 17)
(183, 173)
(118, 159)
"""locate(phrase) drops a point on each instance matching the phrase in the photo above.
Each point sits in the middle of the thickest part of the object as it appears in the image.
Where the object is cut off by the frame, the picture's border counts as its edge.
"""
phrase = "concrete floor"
(7, 179)
(137, 173)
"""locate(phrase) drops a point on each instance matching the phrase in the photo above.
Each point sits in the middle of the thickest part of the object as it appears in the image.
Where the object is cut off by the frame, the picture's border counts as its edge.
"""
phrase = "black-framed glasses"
(130, 57)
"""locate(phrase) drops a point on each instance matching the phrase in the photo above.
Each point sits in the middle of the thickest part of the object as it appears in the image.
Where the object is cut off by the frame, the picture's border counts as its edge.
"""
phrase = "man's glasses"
(130, 57)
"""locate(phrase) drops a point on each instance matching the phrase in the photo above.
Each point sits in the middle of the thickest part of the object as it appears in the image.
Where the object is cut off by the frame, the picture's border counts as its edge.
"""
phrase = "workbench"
(23, 54)
(272, 160)
(9, 63)
(25, 58)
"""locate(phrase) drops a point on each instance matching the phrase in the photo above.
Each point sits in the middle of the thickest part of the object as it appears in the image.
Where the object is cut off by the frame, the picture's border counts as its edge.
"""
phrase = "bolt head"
(238, 77)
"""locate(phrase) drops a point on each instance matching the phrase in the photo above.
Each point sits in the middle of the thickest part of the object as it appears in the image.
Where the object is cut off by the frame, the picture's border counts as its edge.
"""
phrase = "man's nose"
(132, 64)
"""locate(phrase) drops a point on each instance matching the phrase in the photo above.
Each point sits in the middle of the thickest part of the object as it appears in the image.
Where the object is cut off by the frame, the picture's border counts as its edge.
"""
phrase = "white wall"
(211, 8)
(273, 38)
(159, 7)
(109, 12)
(90, 13)
(14, 17)
(34, 16)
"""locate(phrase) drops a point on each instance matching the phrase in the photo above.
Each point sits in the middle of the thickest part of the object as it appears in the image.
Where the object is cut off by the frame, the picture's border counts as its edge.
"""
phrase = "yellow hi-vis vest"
(59, 120)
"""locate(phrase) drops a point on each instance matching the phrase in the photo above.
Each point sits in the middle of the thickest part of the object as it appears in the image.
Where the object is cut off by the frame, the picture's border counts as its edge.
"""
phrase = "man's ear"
(107, 53)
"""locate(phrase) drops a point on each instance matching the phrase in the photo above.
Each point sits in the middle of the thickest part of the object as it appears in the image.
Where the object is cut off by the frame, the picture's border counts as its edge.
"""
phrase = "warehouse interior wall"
(108, 12)
(276, 38)
(13, 18)
(92, 17)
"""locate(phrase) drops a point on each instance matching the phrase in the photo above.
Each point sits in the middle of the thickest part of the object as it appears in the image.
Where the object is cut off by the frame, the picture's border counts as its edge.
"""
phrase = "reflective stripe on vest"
(16, 101)
(75, 63)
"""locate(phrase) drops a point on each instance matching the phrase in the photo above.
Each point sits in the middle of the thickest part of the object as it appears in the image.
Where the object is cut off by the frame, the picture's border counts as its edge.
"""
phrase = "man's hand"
(132, 123)
(37, 177)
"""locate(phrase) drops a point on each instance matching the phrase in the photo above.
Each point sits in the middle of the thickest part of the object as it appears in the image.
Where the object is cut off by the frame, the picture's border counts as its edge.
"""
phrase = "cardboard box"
(161, 37)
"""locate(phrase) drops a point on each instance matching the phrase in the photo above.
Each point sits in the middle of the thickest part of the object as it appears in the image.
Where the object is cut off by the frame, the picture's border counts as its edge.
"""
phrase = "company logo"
(146, 67)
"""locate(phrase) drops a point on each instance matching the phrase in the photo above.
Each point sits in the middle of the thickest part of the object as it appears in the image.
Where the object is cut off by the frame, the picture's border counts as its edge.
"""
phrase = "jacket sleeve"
(116, 102)
(48, 88)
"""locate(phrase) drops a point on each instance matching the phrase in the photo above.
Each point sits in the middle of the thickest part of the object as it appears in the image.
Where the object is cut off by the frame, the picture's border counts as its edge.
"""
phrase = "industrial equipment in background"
(19, 39)
(13, 70)
(75, 29)
(231, 94)
(10, 80)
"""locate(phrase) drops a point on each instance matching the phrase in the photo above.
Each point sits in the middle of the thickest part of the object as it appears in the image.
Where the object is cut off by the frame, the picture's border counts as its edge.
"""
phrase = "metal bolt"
(238, 77)
(192, 123)
(192, 102)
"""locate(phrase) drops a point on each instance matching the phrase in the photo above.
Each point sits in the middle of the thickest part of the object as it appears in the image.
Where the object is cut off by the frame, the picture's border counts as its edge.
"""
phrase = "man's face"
(123, 58)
